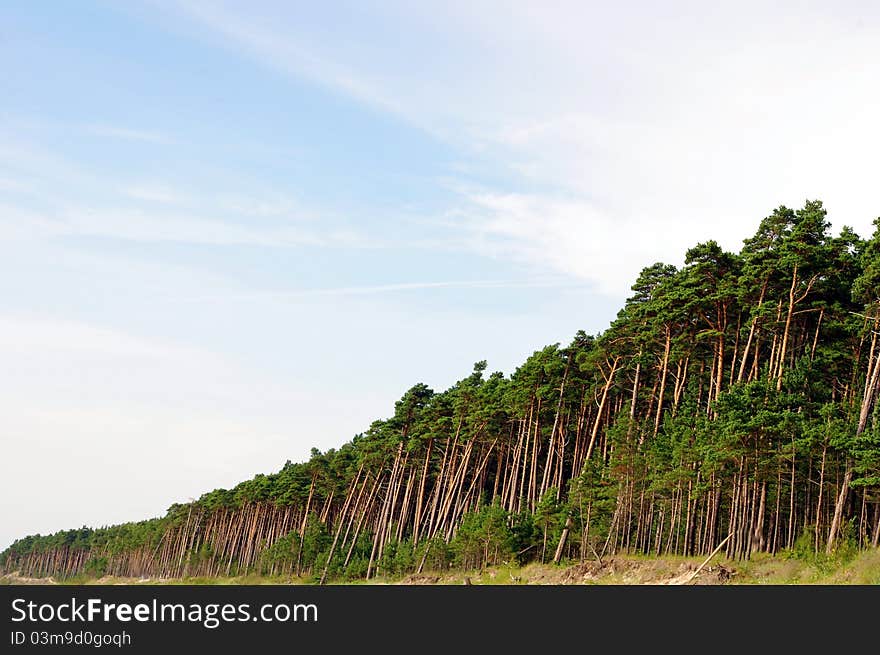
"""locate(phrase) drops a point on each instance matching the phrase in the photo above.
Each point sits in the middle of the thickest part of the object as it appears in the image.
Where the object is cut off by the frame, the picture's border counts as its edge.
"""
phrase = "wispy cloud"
(616, 141)
(569, 236)
(65, 198)
(129, 134)
(166, 226)
(18, 224)
(11, 185)
(278, 50)
(154, 193)
(266, 204)
(366, 290)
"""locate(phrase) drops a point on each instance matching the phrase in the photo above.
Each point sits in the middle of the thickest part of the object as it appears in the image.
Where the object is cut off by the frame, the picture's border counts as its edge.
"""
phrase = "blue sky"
(232, 232)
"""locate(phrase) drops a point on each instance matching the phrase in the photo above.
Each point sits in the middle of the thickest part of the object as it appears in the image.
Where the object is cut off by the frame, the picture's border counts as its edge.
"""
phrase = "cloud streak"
(368, 290)
(625, 140)
(151, 226)
(129, 134)
(59, 197)
(274, 48)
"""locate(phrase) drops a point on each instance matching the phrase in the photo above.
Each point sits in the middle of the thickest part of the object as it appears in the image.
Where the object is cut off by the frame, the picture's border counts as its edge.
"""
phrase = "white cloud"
(265, 41)
(631, 131)
(154, 193)
(533, 283)
(63, 197)
(150, 226)
(18, 224)
(9, 184)
(229, 203)
(569, 236)
(219, 223)
(129, 134)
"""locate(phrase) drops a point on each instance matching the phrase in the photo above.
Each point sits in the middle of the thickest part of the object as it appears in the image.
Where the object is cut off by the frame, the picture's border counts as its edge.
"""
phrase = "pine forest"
(730, 405)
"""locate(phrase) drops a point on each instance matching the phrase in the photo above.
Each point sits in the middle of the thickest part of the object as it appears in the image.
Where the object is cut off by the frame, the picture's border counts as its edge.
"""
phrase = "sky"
(232, 232)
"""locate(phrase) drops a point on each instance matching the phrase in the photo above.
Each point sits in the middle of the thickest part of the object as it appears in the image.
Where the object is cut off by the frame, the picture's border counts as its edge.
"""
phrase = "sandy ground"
(612, 570)
(617, 570)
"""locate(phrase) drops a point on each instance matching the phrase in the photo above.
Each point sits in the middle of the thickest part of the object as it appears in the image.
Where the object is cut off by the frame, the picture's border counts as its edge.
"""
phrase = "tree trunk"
(838, 509)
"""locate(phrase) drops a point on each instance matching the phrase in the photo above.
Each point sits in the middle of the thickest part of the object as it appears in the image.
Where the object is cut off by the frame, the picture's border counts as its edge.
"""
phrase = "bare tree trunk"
(838, 509)
(745, 355)
(664, 369)
(557, 556)
(875, 541)
(821, 490)
(598, 420)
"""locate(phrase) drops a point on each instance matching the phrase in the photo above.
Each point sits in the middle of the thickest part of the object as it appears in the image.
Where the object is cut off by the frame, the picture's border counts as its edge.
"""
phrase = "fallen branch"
(708, 559)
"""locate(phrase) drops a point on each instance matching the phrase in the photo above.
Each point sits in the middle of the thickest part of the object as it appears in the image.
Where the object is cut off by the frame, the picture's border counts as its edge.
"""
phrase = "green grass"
(858, 568)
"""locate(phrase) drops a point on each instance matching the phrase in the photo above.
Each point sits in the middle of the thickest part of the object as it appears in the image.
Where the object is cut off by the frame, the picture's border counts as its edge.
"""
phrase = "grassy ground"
(783, 569)
(862, 568)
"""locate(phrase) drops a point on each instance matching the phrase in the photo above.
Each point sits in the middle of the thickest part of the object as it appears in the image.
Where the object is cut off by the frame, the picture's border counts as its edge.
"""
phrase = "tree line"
(731, 402)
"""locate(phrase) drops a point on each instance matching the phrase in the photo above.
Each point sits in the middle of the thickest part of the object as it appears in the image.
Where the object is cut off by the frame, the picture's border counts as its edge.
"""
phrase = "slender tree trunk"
(608, 381)
(745, 354)
(557, 556)
(838, 509)
(819, 502)
(664, 369)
